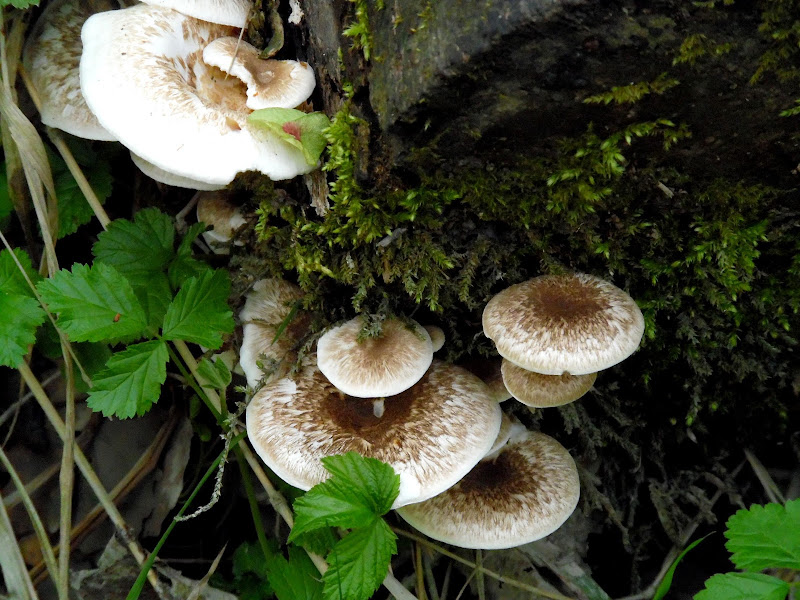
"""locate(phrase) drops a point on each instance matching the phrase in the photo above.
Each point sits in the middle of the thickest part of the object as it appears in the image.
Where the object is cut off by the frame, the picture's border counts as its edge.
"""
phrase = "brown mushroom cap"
(432, 434)
(544, 391)
(375, 367)
(558, 324)
(267, 306)
(522, 495)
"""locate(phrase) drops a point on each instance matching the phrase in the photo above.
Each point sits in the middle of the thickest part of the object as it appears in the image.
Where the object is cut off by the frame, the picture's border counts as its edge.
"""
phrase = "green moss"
(359, 30)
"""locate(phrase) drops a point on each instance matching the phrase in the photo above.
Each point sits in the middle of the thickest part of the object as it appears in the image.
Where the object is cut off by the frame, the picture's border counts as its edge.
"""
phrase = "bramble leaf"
(21, 317)
(131, 381)
(294, 579)
(743, 586)
(359, 490)
(184, 265)
(215, 372)
(765, 537)
(139, 248)
(199, 313)
(359, 562)
(94, 303)
(11, 279)
(21, 4)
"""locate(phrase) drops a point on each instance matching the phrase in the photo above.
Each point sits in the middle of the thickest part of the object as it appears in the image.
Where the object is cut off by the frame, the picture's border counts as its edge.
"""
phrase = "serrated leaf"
(73, 209)
(184, 265)
(21, 4)
(94, 304)
(131, 381)
(139, 248)
(319, 541)
(295, 579)
(765, 537)
(199, 313)
(11, 279)
(743, 586)
(93, 358)
(359, 562)
(154, 297)
(216, 373)
(21, 317)
(302, 130)
(358, 490)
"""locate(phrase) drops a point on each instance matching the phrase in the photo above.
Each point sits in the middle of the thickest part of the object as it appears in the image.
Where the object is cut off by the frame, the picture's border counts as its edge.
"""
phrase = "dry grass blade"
(15, 574)
(201, 585)
(38, 527)
(66, 479)
(770, 487)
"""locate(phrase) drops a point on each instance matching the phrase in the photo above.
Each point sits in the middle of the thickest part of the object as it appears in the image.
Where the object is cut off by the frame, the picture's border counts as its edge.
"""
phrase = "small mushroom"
(557, 324)
(375, 367)
(437, 336)
(545, 391)
(523, 494)
(432, 434)
(216, 209)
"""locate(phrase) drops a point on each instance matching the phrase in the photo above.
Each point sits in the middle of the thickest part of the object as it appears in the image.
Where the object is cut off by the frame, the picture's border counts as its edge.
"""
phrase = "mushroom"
(223, 12)
(164, 176)
(437, 336)
(51, 58)
(522, 495)
(489, 370)
(143, 75)
(557, 324)
(545, 391)
(432, 434)
(375, 367)
(216, 209)
(267, 308)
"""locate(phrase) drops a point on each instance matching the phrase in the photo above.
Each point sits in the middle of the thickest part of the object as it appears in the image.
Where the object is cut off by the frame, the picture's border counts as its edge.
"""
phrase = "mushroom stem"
(377, 407)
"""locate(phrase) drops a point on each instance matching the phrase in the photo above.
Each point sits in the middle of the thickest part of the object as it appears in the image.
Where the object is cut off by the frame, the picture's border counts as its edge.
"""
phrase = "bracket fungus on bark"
(432, 434)
(143, 76)
(557, 324)
(375, 367)
(523, 494)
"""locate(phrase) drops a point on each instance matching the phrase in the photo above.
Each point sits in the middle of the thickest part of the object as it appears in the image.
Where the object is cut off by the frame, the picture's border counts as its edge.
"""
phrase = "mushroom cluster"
(172, 82)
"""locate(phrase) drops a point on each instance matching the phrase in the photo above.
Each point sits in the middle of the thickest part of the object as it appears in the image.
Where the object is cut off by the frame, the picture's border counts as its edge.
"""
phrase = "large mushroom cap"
(375, 367)
(224, 12)
(522, 495)
(557, 324)
(431, 434)
(143, 76)
(51, 58)
(544, 391)
(268, 305)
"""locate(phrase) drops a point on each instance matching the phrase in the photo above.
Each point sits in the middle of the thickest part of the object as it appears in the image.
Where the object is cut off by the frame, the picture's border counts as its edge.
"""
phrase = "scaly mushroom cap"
(267, 306)
(557, 324)
(223, 12)
(432, 434)
(522, 495)
(374, 367)
(545, 391)
(143, 76)
(270, 83)
(51, 58)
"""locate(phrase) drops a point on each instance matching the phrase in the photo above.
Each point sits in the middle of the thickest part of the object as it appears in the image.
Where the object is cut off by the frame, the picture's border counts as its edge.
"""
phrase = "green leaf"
(185, 265)
(131, 382)
(319, 541)
(93, 358)
(199, 313)
(302, 130)
(6, 206)
(94, 304)
(154, 297)
(765, 537)
(294, 579)
(216, 373)
(666, 582)
(11, 279)
(22, 4)
(140, 248)
(743, 586)
(73, 209)
(21, 317)
(359, 490)
(359, 562)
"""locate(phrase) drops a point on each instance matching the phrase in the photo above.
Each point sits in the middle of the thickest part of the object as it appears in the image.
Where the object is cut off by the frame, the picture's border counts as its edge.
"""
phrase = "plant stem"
(251, 499)
(66, 480)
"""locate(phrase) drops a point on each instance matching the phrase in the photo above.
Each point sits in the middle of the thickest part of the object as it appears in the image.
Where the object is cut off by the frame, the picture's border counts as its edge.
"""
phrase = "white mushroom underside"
(544, 391)
(435, 443)
(525, 494)
(162, 176)
(142, 75)
(224, 12)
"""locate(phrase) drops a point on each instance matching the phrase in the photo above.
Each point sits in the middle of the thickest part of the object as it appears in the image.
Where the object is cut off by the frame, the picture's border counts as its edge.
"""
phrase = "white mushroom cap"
(544, 391)
(51, 58)
(224, 12)
(162, 176)
(437, 336)
(522, 495)
(557, 324)
(268, 305)
(142, 74)
(374, 367)
(432, 434)
(508, 426)
(216, 209)
(270, 83)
